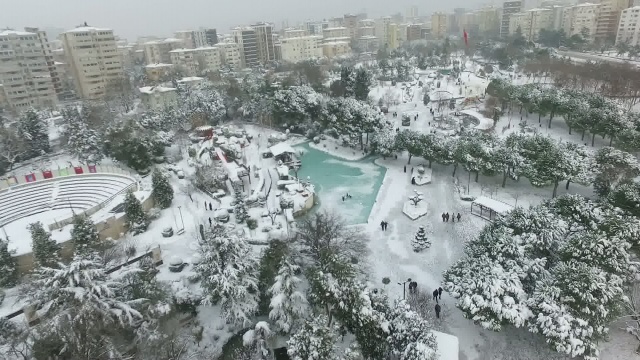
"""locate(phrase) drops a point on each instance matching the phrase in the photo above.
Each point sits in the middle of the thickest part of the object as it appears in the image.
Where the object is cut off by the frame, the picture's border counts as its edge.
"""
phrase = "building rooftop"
(333, 43)
(158, 65)
(156, 89)
(368, 37)
(8, 32)
(87, 28)
(190, 79)
(336, 28)
(164, 41)
(181, 50)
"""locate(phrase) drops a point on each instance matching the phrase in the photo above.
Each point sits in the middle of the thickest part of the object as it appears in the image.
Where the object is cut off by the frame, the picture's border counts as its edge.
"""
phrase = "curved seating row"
(79, 192)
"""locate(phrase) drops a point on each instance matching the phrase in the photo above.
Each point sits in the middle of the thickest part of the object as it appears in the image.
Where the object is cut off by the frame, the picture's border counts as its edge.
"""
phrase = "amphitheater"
(54, 197)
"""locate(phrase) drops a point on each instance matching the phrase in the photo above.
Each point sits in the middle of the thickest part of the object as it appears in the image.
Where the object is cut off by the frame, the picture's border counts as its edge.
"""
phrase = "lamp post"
(181, 219)
(404, 288)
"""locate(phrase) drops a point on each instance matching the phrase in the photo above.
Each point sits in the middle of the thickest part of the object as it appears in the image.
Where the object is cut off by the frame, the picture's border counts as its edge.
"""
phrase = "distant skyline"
(133, 18)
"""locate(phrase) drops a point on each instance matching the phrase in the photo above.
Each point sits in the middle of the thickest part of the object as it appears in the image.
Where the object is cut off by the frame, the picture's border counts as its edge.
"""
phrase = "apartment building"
(629, 27)
(158, 97)
(530, 22)
(25, 77)
(382, 30)
(367, 44)
(508, 8)
(294, 33)
(294, 49)
(581, 19)
(439, 25)
(157, 72)
(333, 49)
(245, 37)
(47, 50)
(488, 20)
(350, 21)
(414, 32)
(192, 38)
(335, 32)
(230, 54)
(608, 18)
(211, 36)
(157, 51)
(93, 58)
(197, 61)
(264, 42)
(316, 27)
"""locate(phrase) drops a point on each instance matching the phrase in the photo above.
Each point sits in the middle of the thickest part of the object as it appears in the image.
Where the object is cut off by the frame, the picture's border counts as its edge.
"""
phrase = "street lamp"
(404, 288)
(181, 219)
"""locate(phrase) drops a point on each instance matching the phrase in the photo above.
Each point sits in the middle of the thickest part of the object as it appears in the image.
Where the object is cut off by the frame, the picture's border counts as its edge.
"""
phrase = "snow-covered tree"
(83, 142)
(613, 167)
(420, 241)
(315, 340)
(162, 191)
(257, 339)
(227, 272)
(44, 249)
(200, 105)
(84, 235)
(12, 147)
(137, 220)
(35, 132)
(8, 269)
(239, 208)
(508, 158)
(410, 336)
(287, 303)
(383, 141)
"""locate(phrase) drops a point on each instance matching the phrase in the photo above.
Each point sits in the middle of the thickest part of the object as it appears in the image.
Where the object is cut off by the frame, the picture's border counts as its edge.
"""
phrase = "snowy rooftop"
(167, 40)
(155, 89)
(159, 65)
(332, 43)
(87, 28)
(335, 28)
(368, 37)
(181, 50)
(495, 205)
(190, 79)
(281, 148)
(8, 32)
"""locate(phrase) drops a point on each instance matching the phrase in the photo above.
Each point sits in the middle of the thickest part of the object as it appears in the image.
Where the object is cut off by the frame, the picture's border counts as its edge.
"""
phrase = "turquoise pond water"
(334, 177)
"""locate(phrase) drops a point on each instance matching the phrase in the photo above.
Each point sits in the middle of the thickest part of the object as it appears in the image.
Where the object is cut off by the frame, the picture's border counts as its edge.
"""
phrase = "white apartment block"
(93, 58)
(192, 38)
(609, 18)
(230, 54)
(158, 97)
(367, 44)
(197, 61)
(335, 32)
(156, 72)
(264, 42)
(316, 27)
(581, 18)
(530, 22)
(293, 33)
(335, 48)
(245, 37)
(629, 27)
(25, 78)
(382, 30)
(157, 51)
(47, 50)
(439, 25)
(301, 48)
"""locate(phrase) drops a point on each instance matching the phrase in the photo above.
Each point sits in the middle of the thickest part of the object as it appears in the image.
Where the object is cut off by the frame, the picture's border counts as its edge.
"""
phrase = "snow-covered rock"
(414, 211)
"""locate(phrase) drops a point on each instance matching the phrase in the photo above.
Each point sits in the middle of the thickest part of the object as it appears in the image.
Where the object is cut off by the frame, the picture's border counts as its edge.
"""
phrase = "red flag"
(466, 37)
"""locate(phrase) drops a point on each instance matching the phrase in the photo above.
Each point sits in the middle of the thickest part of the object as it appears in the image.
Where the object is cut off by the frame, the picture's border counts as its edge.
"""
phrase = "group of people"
(210, 206)
(437, 295)
(347, 196)
(384, 225)
(445, 217)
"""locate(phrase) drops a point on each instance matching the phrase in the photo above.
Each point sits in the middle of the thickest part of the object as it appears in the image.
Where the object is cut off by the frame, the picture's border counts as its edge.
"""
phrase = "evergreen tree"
(362, 84)
(82, 141)
(287, 304)
(257, 339)
(137, 220)
(84, 236)
(8, 269)
(35, 133)
(45, 250)
(314, 341)
(162, 190)
(240, 209)
(420, 241)
(228, 273)
(410, 335)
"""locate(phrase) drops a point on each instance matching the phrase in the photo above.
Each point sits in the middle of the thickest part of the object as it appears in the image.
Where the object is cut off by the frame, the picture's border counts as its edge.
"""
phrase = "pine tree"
(8, 269)
(82, 141)
(162, 190)
(45, 250)
(257, 339)
(35, 133)
(314, 341)
(287, 304)
(84, 236)
(228, 271)
(410, 335)
(240, 209)
(137, 220)
(420, 241)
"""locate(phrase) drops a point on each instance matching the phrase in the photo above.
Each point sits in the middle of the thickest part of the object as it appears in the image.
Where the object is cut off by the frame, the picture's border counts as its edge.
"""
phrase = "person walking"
(205, 205)
(446, 217)
(211, 206)
(435, 295)
(386, 225)
(210, 222)
(440, 292)
(382, 225)
(459, 217)
(443, 217)
(453, 218)
(438, 308)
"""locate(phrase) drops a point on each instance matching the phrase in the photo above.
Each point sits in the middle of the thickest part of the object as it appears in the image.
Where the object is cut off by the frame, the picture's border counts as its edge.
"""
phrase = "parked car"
(180, 174)
(167, 232)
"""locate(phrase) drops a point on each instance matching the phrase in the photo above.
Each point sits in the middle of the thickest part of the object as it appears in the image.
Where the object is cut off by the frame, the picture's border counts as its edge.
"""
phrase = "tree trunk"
(504, 179)
(539, 118)
(477, 175)
(583, 131)
(329, 315)
(555, 189)
(611, 141)
(569, 130)
(367, 139)
(550, 118)
(568, 182)
(430, 160)
(455, 167)
(593, 139)
(409, 162)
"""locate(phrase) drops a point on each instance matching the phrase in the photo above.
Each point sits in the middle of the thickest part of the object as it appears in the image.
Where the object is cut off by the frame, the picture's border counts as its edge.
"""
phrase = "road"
(595, 57)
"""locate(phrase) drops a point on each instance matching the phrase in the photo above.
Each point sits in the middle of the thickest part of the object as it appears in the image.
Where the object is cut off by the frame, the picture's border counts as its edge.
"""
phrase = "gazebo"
(488, 208)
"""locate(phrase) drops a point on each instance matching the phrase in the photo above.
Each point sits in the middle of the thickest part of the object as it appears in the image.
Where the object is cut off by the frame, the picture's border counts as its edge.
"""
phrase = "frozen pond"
(334, 178)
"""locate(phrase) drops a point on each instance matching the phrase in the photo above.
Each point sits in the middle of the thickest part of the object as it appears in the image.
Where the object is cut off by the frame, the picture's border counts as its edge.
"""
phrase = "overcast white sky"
(133, 18)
